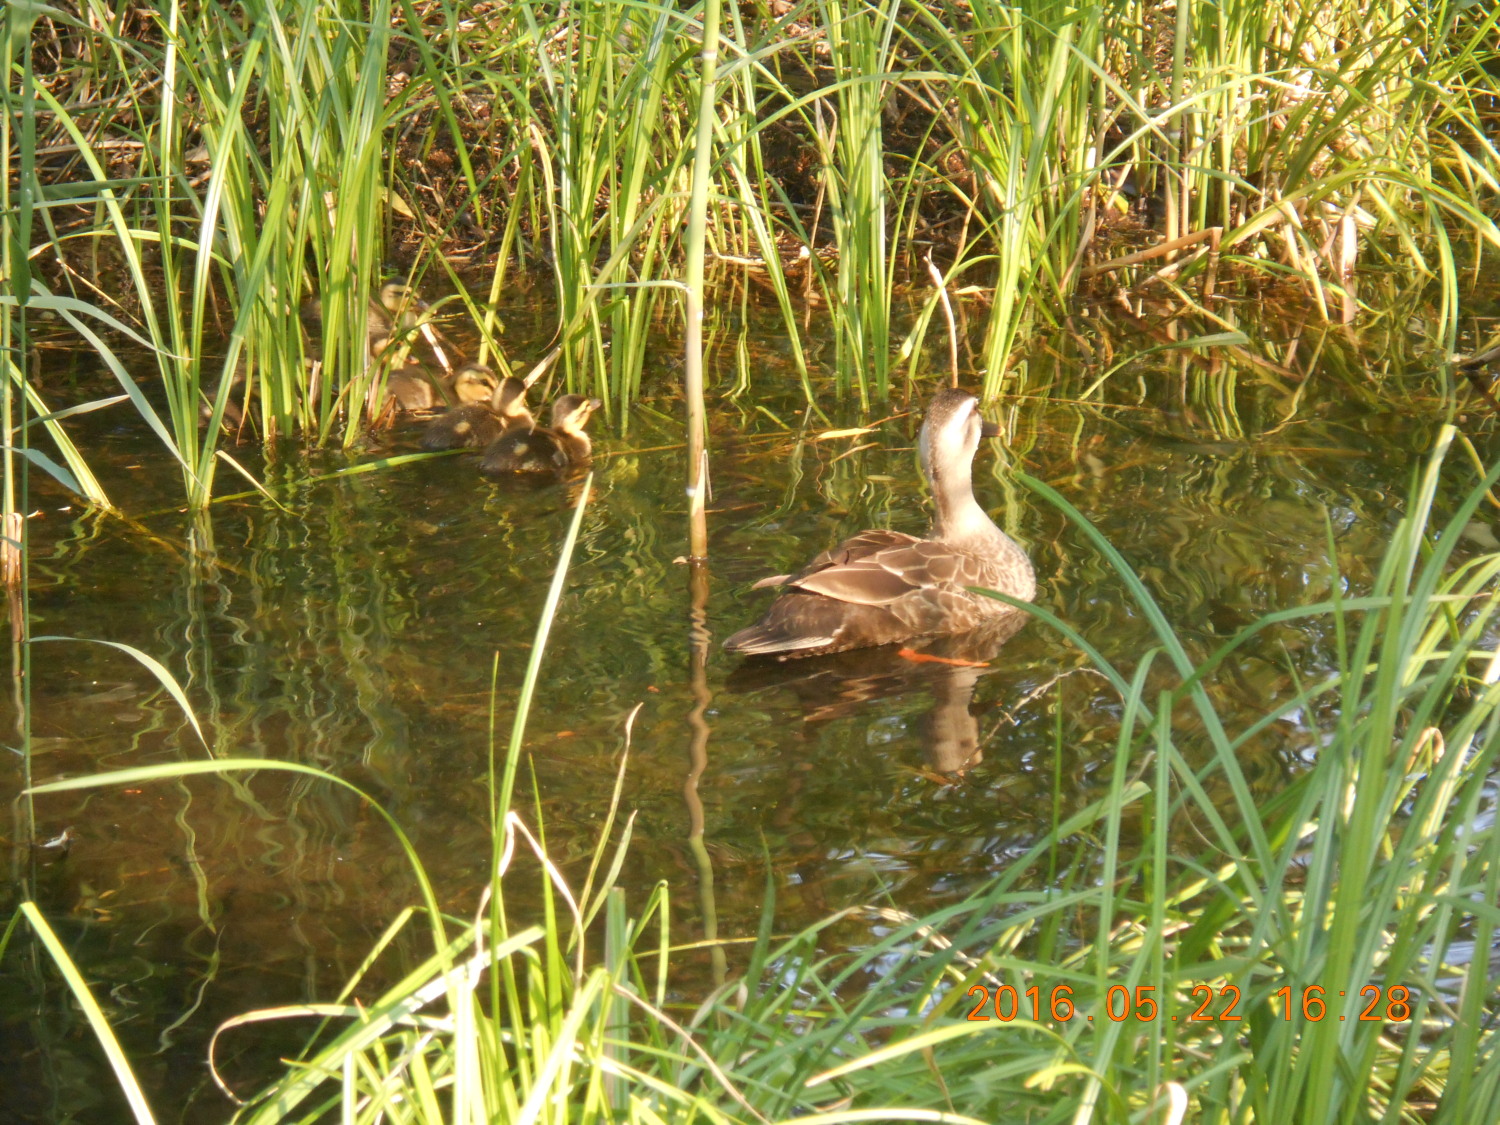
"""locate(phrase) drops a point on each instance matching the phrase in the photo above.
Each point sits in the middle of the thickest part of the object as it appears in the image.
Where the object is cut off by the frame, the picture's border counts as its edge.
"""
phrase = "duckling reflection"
(840, 685)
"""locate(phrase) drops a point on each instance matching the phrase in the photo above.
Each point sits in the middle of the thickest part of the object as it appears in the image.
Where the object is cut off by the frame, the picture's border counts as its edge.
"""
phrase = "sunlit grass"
(231, 164)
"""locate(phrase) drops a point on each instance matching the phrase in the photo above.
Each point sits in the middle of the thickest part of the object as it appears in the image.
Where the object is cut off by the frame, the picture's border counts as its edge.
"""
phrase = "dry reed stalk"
(937, 280)
(10, 550)
(1210, 235)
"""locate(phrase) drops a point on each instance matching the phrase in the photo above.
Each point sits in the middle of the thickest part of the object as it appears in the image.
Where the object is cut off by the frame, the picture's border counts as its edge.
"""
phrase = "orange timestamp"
(1391, 1004)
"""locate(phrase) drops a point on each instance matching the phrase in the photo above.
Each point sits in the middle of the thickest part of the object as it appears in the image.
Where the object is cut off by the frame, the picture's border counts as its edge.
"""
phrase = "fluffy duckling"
(558, 448)
(413, 388)
(487, 409)
(389, 316)
(396, 309)
(393, 320)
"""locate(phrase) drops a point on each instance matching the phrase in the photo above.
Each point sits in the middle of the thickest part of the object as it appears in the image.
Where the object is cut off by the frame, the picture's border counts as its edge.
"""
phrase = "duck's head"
(571, 413)
(950, 435)
(474, 382)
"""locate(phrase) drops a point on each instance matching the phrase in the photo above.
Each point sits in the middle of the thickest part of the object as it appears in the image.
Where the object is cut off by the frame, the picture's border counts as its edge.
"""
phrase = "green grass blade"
(85, 999)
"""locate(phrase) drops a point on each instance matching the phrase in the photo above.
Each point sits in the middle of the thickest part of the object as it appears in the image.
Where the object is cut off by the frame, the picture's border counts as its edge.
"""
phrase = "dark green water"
(360, 630)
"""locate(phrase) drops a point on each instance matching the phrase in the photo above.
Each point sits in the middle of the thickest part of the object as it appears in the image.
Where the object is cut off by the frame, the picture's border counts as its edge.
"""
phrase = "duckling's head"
(509, 401)
(474, 382)
(400, 300)
(571, 413)
(395, 296)
(950, 435)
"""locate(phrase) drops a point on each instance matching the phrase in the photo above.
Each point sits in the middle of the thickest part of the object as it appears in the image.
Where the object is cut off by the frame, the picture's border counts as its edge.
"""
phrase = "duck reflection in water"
(843, 684)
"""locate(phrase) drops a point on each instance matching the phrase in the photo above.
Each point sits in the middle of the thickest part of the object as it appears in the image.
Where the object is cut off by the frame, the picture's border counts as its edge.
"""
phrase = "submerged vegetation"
(235, 208)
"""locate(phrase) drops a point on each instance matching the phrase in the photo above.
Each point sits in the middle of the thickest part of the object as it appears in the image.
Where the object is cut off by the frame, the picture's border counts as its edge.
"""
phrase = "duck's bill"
(988, 428)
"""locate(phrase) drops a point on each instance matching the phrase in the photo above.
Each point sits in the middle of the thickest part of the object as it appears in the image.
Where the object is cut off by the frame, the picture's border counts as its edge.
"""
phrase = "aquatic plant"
(202, 173)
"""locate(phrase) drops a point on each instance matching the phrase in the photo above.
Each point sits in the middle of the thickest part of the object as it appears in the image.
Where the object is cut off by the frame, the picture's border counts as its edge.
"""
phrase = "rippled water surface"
(374, 625)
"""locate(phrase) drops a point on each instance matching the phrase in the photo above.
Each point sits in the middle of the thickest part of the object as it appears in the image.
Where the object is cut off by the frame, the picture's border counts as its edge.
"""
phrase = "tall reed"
(861, 42)
(1022, 113)
(225, 166)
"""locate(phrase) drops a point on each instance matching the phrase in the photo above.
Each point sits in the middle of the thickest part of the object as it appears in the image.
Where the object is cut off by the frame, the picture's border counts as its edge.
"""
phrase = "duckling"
(475, 384)
(392, 314)
(486, 411)
(396, 309)
(561, 447)
(884, 587)
(413, 388)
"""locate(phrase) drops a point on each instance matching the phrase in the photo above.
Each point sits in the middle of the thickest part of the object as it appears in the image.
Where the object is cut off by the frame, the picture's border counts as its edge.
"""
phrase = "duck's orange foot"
(927, 658)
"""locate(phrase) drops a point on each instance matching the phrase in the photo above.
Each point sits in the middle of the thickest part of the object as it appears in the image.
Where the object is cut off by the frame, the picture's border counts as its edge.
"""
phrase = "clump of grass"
(242, 160)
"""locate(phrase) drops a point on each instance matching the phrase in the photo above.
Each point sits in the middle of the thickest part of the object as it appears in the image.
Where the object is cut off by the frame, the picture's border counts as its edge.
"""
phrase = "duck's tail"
(771, 638)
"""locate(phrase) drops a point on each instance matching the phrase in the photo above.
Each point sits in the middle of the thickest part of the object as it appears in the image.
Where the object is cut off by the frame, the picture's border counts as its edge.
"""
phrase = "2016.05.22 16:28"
(1007, 1003)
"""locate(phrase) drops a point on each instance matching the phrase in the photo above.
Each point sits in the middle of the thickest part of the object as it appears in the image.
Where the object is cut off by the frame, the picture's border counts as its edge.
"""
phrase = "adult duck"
(560, 448)
(886, 587)
(486, 409)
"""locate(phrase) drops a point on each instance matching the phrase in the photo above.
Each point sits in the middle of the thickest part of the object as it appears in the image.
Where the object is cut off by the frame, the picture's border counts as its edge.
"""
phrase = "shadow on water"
(358, 628)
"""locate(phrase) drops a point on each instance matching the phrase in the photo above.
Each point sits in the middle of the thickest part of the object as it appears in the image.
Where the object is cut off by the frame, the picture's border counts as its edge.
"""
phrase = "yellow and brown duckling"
(479, 420)
(395, 312)
(561, 447)
(413, 387)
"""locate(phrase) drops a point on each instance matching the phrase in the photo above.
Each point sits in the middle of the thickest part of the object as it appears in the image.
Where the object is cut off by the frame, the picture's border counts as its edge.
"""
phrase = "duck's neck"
(576, 441)
(957, 516)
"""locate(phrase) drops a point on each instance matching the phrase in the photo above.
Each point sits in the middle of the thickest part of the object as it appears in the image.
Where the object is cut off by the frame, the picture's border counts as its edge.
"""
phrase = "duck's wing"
(850, 551)
(880, 587)
(904, 569)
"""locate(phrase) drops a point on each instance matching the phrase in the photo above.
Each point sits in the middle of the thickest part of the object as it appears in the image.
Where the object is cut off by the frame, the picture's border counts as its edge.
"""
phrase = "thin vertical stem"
(693, 336)
(1177, 178)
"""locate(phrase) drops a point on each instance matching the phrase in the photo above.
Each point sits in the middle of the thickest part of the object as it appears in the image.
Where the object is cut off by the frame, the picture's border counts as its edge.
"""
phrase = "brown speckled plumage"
(559, 449)
(884, 587)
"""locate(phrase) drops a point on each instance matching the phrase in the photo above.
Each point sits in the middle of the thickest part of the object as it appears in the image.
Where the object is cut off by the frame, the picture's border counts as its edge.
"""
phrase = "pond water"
(361, 627)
